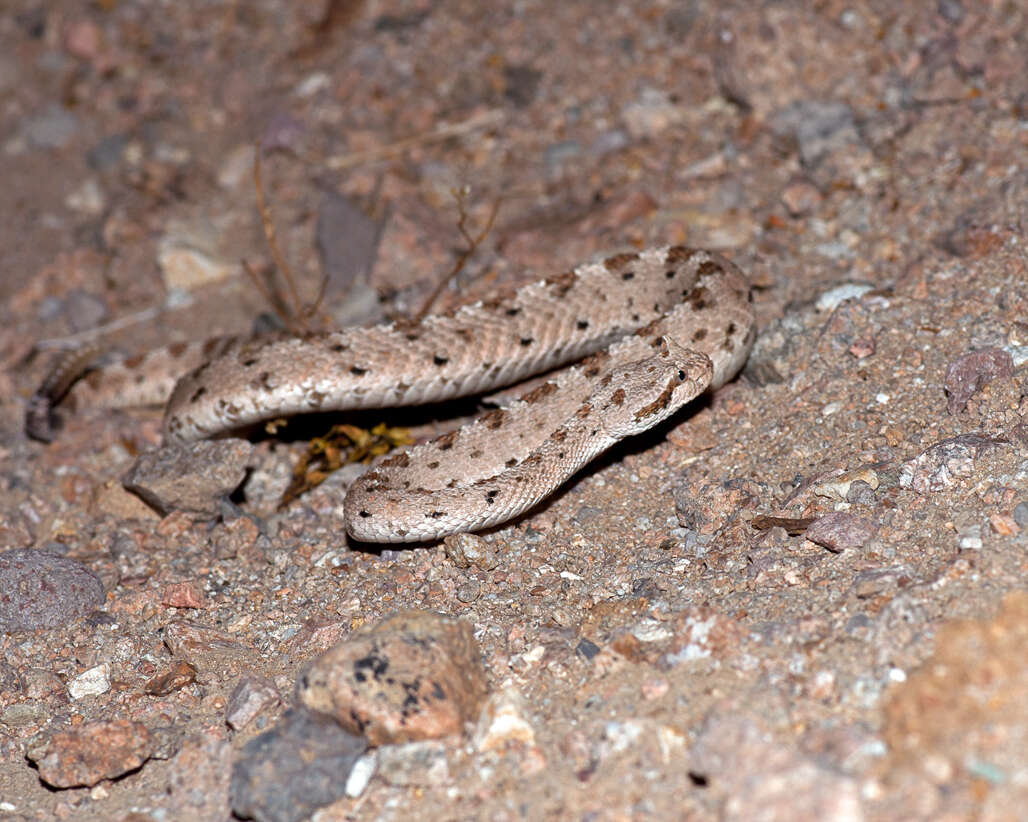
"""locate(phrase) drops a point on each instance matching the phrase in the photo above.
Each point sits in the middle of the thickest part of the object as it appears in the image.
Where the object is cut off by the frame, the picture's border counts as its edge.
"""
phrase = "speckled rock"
(42, 589)
(415, 675)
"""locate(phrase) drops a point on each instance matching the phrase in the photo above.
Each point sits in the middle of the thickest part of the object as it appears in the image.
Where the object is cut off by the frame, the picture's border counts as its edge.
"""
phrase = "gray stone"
(193, 477)
(42, 589)
(53, 128)
(287, 773)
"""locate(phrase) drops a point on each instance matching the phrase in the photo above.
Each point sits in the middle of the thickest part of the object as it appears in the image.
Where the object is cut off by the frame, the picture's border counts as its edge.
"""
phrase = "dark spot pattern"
(697, 298)
(211, 347)
(539, 393)
(561, 285)
(658, 404)
(446, 441)
(619, 261)
(678, 254)
(708, 268)
(494, 419)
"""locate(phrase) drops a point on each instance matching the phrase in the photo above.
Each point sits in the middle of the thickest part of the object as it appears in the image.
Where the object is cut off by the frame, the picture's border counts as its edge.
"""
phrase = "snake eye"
(681, 375)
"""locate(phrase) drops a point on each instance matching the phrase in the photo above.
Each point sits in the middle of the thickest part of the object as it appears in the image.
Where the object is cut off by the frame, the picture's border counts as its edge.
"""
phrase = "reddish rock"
(183, 595)
(177, 677)
(839, 530)
(967, 375)
(251, 695)
(415, 675)
(90, 753)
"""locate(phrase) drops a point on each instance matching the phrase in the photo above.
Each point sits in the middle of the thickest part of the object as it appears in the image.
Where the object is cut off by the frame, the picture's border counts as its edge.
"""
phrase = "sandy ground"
(672, 655)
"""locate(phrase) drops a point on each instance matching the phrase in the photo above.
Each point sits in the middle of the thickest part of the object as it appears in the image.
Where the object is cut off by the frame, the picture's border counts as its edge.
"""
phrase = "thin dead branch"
(472, 246)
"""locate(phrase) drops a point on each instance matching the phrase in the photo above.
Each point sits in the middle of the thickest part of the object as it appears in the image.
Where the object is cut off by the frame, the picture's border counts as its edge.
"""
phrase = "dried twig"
(90, 334)
(473, 243)
(359, 158)
(290, 308)
(269, 233)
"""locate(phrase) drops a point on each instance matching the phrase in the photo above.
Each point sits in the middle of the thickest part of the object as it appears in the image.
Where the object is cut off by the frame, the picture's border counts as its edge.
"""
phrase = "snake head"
(643, 393)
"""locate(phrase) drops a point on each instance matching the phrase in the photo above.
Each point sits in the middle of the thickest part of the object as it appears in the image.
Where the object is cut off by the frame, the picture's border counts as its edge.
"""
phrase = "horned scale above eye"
(695, 310)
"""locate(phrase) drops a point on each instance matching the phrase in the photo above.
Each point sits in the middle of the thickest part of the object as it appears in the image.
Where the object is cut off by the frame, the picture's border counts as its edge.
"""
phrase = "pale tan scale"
(644, 317)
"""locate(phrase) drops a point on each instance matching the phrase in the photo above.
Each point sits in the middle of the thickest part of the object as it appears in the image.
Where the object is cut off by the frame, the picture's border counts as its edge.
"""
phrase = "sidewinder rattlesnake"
(656, 329)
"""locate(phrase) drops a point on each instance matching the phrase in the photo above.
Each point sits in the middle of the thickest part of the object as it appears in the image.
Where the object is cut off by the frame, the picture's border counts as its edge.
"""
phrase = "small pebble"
(819, 128)
(93, 682)
(469, 591)
(421, 763)
(1020, 514)
(23, 714)
(361, 773)
(801, 198)
(504, 719)
(55, 127)
(652, 113)
(970, 538)
(187, 259)
(833, 298)
(465, 550)
(251, 695)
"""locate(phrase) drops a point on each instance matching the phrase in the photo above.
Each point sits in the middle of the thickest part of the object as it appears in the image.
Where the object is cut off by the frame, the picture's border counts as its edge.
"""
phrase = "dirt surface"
(667, 653)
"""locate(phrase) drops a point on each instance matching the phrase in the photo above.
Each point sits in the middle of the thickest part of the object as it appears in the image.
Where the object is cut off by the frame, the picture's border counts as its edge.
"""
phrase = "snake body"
(656, 328)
